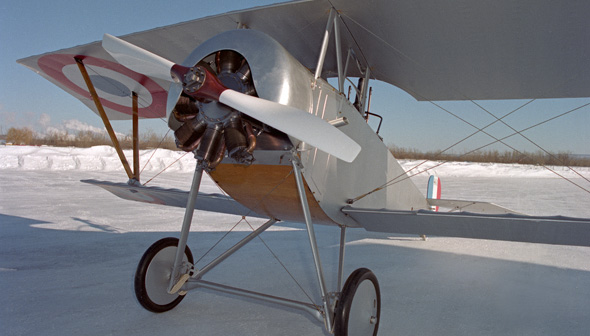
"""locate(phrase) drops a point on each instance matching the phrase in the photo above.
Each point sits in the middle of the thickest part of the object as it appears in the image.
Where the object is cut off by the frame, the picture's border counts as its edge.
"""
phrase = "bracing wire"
(154, 151)
(420, 66)
(170, 165)
(285, 268)
(395, 179)
(243, 219)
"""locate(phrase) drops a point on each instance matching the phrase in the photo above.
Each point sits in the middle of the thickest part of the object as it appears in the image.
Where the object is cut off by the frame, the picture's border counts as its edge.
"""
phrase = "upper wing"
(461, 50)
(444, 50)
(297, 25)
(533, 229)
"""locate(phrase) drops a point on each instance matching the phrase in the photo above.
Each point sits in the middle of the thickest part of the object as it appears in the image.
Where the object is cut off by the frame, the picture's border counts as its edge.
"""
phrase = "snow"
(104, 158)
(68, 252)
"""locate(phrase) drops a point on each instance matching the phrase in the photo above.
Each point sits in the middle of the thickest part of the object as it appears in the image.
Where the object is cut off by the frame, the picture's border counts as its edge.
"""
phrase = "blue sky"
(29, 27)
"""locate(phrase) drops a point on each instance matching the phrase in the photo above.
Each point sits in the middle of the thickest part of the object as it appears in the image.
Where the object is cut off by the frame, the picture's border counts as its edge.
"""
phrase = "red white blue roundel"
(113, 82)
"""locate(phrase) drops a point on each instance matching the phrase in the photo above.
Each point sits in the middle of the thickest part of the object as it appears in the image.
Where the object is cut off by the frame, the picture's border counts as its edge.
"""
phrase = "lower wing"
(493, 222)
(557, 230)
(174, 197)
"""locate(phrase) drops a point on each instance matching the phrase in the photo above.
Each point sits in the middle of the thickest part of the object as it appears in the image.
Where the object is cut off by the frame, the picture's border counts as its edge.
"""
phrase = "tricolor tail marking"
(434, 190)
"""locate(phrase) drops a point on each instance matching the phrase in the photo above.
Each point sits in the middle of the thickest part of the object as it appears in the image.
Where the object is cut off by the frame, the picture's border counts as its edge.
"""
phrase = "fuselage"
(267, 185)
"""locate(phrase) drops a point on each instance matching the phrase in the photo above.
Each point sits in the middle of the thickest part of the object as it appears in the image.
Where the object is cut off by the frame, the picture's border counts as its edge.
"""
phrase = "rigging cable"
(393, 181)
(154, 152)
(259, 237)
(170, 165)
(424, 69)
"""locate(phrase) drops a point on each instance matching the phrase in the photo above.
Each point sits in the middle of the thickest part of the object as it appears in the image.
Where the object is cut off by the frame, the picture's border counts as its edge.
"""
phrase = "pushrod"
(103, 116)
(363, 89)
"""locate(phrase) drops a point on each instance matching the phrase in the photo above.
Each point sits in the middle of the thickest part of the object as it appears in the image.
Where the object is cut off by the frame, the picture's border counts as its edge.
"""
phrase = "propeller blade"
(138, 59)
(294, 122)
(287, 119)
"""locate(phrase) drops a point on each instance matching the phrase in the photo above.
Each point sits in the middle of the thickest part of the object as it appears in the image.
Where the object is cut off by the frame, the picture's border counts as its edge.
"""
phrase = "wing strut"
(135, 108)
(133, 176)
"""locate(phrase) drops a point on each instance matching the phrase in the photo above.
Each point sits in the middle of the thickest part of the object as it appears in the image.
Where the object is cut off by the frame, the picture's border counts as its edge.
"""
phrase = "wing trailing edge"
(557, 230)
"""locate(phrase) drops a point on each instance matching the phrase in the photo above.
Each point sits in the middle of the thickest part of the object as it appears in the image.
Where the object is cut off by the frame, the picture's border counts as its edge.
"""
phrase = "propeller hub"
(204, 86)
(193, 79)
(199, 82)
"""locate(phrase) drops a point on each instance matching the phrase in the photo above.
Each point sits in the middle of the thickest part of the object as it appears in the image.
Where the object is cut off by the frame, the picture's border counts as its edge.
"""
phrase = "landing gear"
(153, 276)
(359, 307)
(166, 272)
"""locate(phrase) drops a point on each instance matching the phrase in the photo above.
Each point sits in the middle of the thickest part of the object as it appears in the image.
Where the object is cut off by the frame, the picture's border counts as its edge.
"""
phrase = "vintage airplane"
(247, 92)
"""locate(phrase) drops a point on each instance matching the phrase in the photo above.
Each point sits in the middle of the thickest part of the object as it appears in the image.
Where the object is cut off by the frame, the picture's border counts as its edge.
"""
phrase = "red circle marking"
(53, 66)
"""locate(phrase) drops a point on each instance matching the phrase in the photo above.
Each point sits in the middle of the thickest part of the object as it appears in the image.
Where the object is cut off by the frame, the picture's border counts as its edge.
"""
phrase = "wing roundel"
(113, 82)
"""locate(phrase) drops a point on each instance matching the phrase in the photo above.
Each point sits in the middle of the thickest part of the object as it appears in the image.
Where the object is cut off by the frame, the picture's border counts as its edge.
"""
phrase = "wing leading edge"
(557, 230)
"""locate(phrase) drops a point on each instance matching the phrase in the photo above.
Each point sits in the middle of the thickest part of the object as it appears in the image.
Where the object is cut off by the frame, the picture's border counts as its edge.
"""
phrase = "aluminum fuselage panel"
(280, 77)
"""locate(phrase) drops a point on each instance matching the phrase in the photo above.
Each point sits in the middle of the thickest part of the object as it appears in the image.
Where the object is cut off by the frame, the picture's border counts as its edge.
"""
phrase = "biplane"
(248, 93)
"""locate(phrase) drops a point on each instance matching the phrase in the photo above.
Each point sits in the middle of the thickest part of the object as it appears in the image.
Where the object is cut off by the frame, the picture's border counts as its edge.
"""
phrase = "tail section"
(434, 190)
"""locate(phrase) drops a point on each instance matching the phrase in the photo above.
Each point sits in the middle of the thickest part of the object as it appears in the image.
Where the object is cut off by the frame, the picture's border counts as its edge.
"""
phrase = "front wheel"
(153, 275)
(359, 307)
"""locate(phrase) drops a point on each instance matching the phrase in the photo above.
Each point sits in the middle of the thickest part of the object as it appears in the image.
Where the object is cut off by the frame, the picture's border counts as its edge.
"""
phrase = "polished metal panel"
(277, 75)
(333, 182)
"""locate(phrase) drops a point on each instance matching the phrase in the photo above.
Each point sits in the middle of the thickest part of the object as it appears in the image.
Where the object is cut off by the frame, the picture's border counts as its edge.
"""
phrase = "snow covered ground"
(68, 252)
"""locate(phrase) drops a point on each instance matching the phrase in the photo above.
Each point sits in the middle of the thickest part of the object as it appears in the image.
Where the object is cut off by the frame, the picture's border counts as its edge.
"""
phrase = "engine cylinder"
(209, 143)
(185, 108)
(235, 137)
(228, 61)
(189, 133)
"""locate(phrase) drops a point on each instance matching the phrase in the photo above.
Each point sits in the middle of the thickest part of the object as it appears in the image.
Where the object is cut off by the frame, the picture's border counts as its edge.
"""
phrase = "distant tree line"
(149, 139)
(85, 139)
(495, 156)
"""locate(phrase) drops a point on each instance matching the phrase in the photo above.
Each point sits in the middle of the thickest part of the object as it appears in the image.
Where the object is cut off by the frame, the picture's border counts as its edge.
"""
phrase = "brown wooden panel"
(268, 190)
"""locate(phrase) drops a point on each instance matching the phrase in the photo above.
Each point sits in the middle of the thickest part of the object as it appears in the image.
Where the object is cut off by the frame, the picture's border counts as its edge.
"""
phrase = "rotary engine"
(210, 128)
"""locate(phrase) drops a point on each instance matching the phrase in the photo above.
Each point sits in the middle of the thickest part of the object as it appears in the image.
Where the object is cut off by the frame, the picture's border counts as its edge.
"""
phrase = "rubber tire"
(159, 301)
(360, 277)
